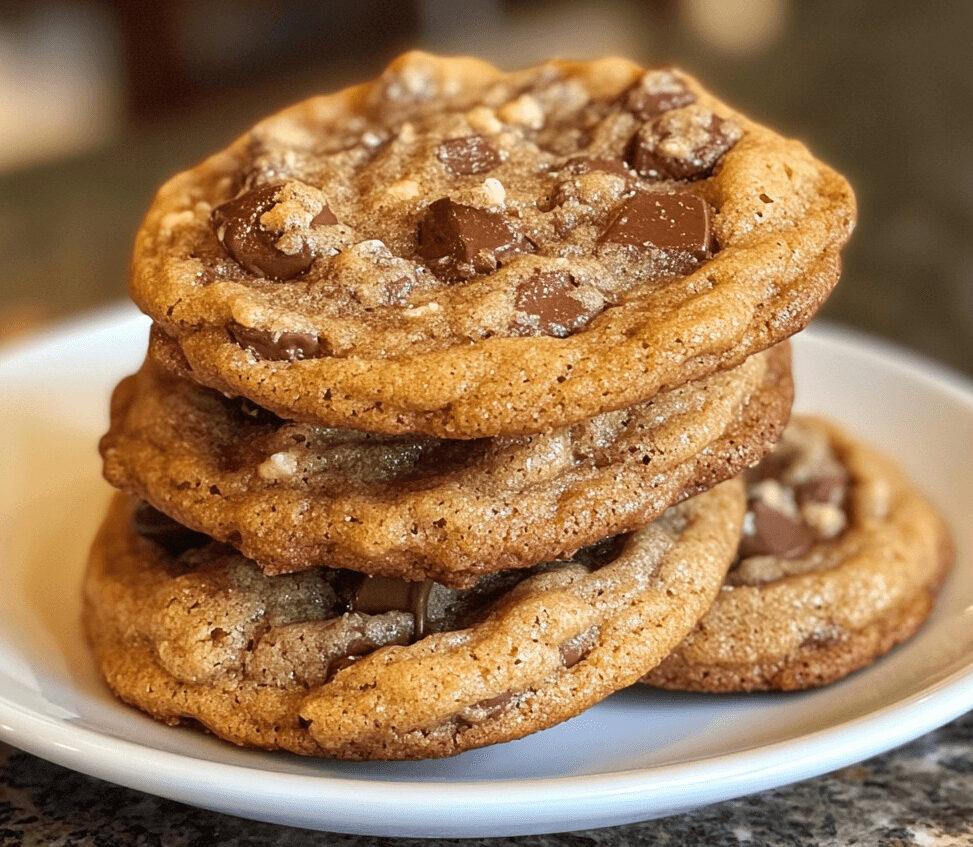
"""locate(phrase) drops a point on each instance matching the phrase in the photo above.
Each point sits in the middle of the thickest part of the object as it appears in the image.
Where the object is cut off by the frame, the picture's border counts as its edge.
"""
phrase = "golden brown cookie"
(459, 252)
(335, 664)
(840, 560)
(294, 495)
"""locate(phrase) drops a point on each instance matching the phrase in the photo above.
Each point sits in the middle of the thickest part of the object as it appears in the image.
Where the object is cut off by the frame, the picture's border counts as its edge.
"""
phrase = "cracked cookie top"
(455, 251)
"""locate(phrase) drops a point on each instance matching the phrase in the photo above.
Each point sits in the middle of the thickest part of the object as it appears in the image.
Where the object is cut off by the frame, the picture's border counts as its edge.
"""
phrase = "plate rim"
(615, 797)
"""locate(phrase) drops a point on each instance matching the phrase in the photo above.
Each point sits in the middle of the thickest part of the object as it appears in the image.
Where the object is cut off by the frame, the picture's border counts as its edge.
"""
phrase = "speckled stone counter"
(920, 794)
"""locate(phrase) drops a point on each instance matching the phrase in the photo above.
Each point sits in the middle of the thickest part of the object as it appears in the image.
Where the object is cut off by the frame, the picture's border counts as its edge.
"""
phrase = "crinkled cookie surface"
(455, 251)
(293, 495)
(335, 664)
(840, 560)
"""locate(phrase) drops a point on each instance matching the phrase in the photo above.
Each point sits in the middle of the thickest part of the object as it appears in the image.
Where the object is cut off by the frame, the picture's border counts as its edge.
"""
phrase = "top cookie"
(456, 251)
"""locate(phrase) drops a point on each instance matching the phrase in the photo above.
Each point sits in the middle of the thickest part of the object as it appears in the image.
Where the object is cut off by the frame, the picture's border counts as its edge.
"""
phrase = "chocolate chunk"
(658, 91)
(775, 534)
(546, 298)
(484, 709)
(160, 529)
(472, 154)
(278, 346)
(378, 594)
(772, 466)
(494, 704)
(238, 228)
(829, 488)
(585, 164)
(571, 653)
(668, 148)
(575, 649)
(463, 240)
(324, 218)
(339, 664)
(358, 645)
(677, 222)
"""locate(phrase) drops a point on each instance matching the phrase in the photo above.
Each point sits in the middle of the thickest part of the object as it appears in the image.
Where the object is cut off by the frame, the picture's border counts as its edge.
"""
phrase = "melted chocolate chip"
(472, 154)
(585, 164)
(160, 529)
(676, 222)
(545, 297)
(377, 594)
(571, 654)
(238, 228)
(775, 534)
(829, 488)
(695, 158)
(657, 92)
(462, 240)
(278, 346)
(484, 709)
(575, 649)
(494, 704)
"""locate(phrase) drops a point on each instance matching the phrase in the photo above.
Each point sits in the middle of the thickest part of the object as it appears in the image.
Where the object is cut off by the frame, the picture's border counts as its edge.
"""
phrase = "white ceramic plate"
(640, 754)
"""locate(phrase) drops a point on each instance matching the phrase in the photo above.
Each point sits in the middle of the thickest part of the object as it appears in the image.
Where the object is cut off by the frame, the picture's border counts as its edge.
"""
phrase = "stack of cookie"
(451, 380)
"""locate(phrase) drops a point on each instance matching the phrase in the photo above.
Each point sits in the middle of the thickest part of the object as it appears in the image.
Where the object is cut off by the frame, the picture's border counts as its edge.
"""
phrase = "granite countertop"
(919, 794)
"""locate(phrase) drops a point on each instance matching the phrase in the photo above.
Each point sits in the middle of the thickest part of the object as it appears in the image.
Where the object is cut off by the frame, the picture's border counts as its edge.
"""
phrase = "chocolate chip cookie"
(454, 251)
(840, 560)
(332, 663)
(292, 495)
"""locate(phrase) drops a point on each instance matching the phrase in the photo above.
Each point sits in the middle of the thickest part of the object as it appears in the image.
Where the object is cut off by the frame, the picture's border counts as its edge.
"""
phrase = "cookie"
(293, 496)
(332, 663)
(454, 251)
(840, 560)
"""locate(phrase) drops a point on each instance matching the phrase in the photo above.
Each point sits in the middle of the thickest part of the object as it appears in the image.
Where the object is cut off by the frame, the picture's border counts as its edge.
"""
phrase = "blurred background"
(101, 100)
